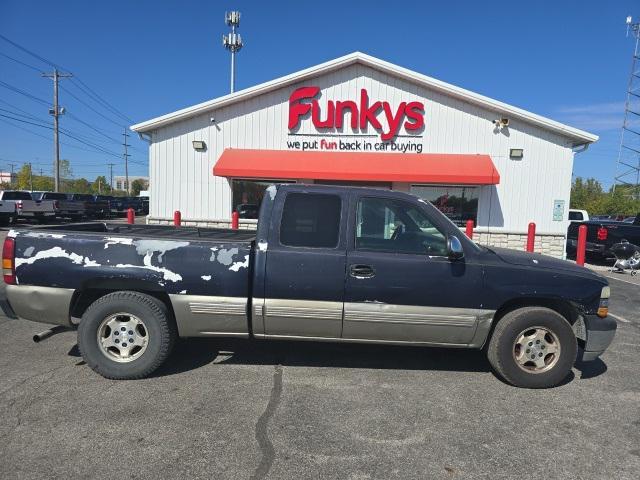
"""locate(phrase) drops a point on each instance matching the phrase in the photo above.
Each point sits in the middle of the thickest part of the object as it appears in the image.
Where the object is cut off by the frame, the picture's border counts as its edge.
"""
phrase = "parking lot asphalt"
(246, 409)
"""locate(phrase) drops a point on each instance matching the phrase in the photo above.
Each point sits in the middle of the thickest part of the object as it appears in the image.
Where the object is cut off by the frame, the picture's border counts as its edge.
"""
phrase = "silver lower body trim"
(41, 304)
(306, 318)
(414, 324)
(200, 315)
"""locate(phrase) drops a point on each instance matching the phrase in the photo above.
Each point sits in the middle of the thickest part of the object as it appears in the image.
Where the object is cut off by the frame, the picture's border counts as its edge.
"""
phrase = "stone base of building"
(547, 244)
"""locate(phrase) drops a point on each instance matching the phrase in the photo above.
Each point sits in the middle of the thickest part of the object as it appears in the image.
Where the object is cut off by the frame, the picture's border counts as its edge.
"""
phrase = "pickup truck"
(8, 212)
(602, 235)
(120, 205)
(26, 206)
(92, 207)
(63, 207)
(327, 263)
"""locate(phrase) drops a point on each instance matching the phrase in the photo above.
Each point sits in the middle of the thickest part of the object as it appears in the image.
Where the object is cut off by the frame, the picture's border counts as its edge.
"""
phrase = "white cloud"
(595, 117)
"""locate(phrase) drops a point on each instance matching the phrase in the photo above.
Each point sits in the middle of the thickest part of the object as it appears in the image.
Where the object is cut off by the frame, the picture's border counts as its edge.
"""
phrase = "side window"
(575, 216)
(393, 226)
(310, 220)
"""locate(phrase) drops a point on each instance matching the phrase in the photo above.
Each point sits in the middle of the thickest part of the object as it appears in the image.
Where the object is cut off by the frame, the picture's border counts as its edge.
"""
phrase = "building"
(8, 177)
(358, 120)
(120, 181)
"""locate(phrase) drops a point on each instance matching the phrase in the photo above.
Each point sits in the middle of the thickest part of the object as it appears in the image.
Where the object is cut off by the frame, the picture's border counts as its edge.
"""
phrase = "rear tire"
(143, 319)
(533, 347)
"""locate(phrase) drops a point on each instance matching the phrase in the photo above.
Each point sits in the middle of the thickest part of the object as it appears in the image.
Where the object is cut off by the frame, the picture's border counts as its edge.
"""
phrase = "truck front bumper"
(596, 334)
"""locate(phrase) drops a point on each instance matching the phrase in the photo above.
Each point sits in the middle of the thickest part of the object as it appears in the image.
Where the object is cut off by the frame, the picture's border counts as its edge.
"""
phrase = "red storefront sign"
(362, 115)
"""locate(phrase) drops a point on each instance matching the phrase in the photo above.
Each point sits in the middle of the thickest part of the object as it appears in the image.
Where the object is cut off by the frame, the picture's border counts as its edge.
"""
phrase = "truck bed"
(175, 260)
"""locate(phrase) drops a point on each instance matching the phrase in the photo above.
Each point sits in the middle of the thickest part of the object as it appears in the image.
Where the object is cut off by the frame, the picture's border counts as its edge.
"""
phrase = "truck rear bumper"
(599, 335)
(40, 304)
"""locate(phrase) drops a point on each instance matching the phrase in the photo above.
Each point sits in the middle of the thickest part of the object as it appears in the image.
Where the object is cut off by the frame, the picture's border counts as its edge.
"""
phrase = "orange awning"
(453, 169)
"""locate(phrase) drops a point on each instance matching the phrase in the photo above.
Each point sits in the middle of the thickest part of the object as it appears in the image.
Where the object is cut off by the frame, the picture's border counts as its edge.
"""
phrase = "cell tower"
(232, 42)
(628, 166)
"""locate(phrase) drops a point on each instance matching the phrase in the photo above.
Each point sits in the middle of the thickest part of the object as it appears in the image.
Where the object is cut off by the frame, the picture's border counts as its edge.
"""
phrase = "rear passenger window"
(310, 220)
(16, 196)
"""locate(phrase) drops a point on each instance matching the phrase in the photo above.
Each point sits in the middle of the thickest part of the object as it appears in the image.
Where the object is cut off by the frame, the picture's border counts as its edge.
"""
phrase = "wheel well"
(83, 297)
(563, 307)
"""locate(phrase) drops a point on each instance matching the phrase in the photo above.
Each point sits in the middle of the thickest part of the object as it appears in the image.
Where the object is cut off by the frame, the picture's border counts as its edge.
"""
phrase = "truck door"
(400, 284)
(305, 266)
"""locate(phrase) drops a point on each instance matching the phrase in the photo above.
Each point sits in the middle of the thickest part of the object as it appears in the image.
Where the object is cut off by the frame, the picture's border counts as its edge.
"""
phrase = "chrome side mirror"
(454, 248)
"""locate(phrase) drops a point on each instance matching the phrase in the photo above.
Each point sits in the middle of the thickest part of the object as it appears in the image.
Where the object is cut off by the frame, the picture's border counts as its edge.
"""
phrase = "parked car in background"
(602, 235)
(120, 205)
(326, 263)
(26, 206)
(145, 205)
(103, 203)
(62, 206)
(8, 212)
(578, 215)
(91, 208)
(248, 210)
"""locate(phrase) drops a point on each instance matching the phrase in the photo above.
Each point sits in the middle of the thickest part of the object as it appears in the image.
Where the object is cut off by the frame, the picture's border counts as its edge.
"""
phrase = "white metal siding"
(182, 178)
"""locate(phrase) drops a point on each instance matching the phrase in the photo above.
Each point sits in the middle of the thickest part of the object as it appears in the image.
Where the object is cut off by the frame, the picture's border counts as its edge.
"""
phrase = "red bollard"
(469, 230)
(582, 245)
(131, 216)
(235, 220)
(177, 218)
(531, 237)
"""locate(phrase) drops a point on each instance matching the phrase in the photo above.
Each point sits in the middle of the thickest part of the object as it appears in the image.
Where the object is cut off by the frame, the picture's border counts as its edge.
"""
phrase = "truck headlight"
(603, 307)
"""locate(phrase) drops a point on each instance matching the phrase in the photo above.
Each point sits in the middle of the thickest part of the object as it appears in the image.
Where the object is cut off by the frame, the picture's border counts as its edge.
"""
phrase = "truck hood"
(536, 260)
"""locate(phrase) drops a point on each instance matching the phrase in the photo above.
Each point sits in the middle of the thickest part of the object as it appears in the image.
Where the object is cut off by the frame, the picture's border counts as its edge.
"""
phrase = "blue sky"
(568, 60)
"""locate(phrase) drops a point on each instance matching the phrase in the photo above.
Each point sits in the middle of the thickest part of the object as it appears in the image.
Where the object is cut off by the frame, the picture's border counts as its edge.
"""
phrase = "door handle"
(362, 271)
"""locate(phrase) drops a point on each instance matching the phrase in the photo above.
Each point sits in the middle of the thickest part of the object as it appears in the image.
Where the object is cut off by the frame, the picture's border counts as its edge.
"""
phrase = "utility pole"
(126, 160)
(99, 186)
(41, 171)
(30, 176)
(110, 165)
(12, 165)
(56, 111)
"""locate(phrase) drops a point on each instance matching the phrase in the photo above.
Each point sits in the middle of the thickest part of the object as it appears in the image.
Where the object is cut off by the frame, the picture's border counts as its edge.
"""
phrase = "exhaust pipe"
(38, 337)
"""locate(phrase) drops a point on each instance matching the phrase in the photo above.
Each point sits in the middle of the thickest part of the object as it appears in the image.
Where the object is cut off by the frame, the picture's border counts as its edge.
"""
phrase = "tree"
(137, 185)
(589, 195)
(100, 186)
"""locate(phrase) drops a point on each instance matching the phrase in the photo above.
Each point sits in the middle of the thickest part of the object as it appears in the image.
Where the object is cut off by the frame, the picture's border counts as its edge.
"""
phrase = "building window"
(247, 196)
(458, 203)
(310, 220)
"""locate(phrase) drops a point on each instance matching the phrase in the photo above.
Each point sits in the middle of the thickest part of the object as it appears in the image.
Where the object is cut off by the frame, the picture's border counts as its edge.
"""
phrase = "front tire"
(126, 335)
(533, 347)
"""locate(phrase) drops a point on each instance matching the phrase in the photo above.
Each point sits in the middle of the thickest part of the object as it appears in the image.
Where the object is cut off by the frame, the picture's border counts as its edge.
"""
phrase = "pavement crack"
(262, 436)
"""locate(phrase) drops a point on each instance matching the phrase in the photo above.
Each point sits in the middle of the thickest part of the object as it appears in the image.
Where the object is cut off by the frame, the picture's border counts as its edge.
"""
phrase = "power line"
(91, 93)
(21, 62)
(22, 92)
(33, 54)
(91, 108)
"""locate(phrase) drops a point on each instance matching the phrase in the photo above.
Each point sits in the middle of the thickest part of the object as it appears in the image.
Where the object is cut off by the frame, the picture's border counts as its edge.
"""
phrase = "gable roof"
(579, 136)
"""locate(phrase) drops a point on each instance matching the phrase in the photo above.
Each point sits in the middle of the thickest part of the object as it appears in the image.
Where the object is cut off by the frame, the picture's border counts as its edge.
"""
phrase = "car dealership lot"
(238, 409)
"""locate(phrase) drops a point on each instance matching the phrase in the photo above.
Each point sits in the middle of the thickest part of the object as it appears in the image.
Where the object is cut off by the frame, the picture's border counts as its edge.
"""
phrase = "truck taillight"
(8, 262)
(19, 204)
(603, 233)
(56, 204)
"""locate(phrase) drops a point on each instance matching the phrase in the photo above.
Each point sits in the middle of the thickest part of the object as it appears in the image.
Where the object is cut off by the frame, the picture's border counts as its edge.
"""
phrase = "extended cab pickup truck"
(325, 264)
(602, 235)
